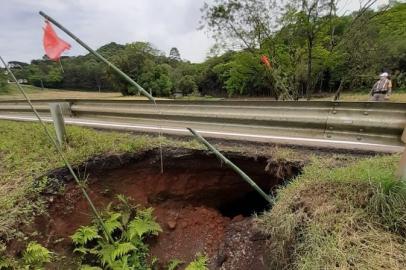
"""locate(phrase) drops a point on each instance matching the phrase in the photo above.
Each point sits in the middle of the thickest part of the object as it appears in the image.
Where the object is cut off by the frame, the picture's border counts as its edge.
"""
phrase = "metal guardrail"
(369, 122)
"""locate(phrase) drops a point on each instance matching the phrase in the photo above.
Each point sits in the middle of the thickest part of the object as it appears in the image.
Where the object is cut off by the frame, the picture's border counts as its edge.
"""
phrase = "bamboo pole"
(60, 152)
(230, 164)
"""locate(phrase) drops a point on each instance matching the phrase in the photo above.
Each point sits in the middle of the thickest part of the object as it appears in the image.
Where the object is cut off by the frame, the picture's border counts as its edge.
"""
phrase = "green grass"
(12, 89)
(398, 95)
(34, 92)
(351, 217)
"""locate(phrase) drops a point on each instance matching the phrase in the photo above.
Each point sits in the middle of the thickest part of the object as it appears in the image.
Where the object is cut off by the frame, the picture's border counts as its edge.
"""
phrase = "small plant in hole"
(35, 256)
(199, 263)
(124, 248)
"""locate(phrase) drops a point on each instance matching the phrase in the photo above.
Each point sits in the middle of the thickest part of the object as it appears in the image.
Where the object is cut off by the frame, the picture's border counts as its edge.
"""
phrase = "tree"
(155, 78)
(244, 75)
(3, 81)
(209, 81)
(187, 85)
(174, 54)
(133, 60)
(46, 74)
(310, 17)
(238, 24)
(95, 73)
(249, 24)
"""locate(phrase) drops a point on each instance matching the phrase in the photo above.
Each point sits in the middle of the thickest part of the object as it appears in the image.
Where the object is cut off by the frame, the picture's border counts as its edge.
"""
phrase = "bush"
(187, 85)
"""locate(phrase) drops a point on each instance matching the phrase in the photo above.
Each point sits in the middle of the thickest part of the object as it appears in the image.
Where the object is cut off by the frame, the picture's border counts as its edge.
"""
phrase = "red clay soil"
(192, 204)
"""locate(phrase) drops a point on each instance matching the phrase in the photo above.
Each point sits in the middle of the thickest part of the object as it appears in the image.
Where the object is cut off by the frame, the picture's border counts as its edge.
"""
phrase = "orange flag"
(265, 61)
(53, 45)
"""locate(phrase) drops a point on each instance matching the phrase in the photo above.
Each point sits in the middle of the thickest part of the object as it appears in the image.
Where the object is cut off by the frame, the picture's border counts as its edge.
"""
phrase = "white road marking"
(92, 123)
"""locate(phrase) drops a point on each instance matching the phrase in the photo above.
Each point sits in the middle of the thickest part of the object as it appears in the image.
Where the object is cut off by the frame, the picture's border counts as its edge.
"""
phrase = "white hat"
(385, 74)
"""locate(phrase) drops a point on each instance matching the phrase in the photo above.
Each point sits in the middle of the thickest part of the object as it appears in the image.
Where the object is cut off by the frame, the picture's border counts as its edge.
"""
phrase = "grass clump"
(352, 217)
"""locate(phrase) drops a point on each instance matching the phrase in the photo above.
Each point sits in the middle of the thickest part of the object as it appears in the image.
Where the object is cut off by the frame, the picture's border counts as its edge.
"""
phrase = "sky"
(164, 23)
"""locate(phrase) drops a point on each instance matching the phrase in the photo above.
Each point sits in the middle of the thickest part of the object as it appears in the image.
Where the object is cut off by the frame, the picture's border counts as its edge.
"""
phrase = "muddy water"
(201, 205)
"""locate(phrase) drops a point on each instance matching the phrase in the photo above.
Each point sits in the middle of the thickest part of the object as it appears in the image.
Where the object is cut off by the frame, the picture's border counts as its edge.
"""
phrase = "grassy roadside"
(352, 217)
(398, 95)
(37, 93)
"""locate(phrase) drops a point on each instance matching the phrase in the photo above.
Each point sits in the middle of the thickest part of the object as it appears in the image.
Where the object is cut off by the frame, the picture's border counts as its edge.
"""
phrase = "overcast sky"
(164, 23)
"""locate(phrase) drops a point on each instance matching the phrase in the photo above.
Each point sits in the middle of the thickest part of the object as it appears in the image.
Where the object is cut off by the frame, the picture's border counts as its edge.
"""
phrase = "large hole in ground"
(199, 203)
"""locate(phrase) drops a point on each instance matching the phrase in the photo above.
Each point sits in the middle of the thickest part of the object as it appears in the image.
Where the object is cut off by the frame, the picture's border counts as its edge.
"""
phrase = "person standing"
(382, 89)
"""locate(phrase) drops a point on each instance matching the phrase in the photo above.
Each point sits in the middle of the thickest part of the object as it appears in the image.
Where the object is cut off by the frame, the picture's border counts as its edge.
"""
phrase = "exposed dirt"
(201, 205)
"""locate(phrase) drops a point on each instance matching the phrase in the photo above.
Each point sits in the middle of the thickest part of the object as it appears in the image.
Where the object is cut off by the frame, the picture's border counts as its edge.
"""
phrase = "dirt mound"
(200, 205)
(243, 247)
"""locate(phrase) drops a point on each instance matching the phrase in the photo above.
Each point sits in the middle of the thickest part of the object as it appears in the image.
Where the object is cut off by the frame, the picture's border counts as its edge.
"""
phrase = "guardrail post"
(402, 165)
(59, 123)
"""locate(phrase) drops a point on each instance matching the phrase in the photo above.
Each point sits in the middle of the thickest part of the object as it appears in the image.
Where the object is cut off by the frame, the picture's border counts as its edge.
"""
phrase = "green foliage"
(187, 85)
(35, 256)
(6, 262)
(155, 78)
(174, 264)
(47, 74)
(88, 267)
(314, 49)
(128, 226)
(245, 75)
(209, 81)
(85, 234)
(238, 23)
(3, 81)
(200, 263)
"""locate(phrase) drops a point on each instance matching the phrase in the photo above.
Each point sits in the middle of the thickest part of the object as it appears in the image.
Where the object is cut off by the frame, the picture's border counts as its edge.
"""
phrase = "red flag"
(53, 45)
(265, 61)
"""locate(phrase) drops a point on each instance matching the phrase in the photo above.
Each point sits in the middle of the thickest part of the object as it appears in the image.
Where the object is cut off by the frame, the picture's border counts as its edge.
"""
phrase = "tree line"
(284, 49)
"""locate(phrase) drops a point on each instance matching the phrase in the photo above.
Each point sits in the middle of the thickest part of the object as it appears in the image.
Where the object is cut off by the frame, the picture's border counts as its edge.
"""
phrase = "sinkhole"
(196, 200)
